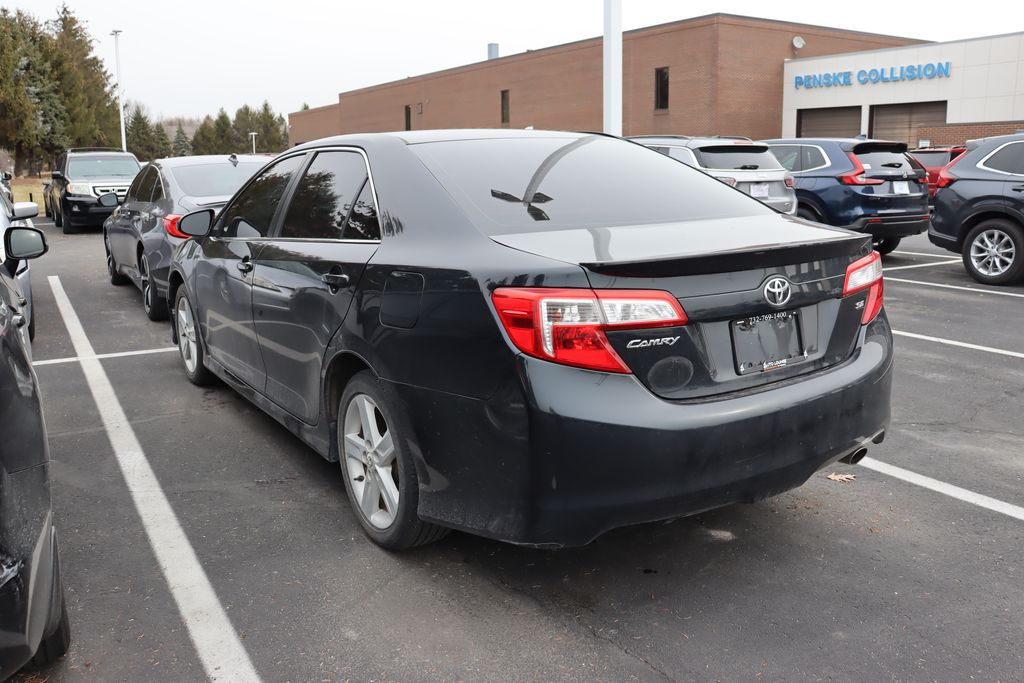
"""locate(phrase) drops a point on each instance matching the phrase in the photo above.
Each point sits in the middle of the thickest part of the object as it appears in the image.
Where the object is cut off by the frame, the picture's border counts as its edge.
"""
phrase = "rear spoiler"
(852, 247)
(876, 146)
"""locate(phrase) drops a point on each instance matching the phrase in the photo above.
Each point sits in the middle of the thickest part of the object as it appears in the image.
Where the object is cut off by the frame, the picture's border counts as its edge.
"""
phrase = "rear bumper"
(891, 226)
(587, 452)
(29, 603)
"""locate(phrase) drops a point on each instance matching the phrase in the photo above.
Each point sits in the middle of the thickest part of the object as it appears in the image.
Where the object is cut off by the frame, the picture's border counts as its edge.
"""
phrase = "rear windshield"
(211, 180)
(932, 158)
(102, 167)
(530, 184)
(882, 162)
(738, 157)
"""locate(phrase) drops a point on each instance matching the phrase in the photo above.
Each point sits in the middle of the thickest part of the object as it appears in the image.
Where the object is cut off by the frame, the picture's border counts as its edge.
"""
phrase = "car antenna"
(233, 159)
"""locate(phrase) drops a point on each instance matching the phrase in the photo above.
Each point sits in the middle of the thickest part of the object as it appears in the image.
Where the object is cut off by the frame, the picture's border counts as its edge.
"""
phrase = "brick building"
(716, 74)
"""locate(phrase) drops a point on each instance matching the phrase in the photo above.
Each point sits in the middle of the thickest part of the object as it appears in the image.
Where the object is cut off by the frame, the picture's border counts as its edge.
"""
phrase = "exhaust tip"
(855, 457)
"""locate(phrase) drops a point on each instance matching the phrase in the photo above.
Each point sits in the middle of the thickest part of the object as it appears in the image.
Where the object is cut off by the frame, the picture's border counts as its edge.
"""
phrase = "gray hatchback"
(739, 162)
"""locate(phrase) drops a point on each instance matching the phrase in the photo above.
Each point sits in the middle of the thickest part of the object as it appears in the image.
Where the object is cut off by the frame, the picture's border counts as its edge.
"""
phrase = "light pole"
(253, 136)
(613, 67)
(120, 93)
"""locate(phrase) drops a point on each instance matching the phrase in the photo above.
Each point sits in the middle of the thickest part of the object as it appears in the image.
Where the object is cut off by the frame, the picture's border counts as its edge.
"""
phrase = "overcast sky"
(191, 58)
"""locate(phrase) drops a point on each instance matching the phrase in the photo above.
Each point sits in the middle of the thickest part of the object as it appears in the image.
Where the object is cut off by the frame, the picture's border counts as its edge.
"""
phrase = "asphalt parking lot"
(875, 579)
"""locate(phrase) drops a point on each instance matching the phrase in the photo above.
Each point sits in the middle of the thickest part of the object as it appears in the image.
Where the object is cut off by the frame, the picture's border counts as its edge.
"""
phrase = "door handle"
(335, 280)
(245, 265)
(1018, 188)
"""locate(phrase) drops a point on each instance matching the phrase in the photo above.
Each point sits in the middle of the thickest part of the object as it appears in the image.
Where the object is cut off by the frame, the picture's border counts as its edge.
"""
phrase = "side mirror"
(197, 223)
(108, 200)
(24, 243)
(26, 210)
(56, 174)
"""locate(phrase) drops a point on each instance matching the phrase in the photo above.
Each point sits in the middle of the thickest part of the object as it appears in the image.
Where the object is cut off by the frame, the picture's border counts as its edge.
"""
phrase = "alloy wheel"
(370, 461)
(992, 252)
(147, 288)
(186, 335)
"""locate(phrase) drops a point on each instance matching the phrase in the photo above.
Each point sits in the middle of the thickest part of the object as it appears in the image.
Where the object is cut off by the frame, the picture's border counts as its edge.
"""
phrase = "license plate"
(763, 343)
(760, 190)
(900, 187)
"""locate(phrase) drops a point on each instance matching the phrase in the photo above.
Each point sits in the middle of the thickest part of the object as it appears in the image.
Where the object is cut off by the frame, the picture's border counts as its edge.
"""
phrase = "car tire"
(377, 466)
(116, 278)
(153, 304)
(32, 326)
(993, 252)
(46, 206)
(65, 224)
(54, 645)
(887, 245)
(57, 218)
(807, 213)
(190, 346)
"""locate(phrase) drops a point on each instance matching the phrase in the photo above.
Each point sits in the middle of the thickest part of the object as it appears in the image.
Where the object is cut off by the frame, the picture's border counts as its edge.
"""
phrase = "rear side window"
(252, 212)
(211, 180)
(788, 156)
(158, 187)
(1009, 159)
(811, 158)
(133, 190)
(362, 220)
(548, 183)
(325, 196)
(147, 184)
(737, 158)
(682, 154)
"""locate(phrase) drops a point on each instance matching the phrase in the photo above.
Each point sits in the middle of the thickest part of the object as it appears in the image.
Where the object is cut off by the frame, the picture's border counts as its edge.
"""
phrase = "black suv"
(80, 176)
(979, 209)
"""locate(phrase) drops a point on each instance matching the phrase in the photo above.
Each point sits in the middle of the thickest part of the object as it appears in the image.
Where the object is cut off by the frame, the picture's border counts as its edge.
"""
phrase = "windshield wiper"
(893, 164)
(748, 167)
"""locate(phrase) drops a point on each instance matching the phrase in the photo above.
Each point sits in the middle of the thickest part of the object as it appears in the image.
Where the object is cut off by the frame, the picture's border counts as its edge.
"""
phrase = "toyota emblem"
(777, 291)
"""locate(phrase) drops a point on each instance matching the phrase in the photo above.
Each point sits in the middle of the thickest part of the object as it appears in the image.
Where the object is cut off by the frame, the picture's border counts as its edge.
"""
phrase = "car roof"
(950, 148)
(99, 153)
(414, 137)
(210, 159)
(997, 139)
(697, 142)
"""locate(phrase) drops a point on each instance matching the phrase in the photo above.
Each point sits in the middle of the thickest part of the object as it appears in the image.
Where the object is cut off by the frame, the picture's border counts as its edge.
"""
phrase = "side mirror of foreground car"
(197, 223)
(108, 200)
(21, 244)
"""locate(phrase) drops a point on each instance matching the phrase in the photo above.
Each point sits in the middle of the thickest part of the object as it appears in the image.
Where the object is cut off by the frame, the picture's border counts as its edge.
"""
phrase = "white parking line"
(889, 269)
(922, 253)
(122, 354)
(219, 648)
(963, 345)
(965, 289)
(965, 495)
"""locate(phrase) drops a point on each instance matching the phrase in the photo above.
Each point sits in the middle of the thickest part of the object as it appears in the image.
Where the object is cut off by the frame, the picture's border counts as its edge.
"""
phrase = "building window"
(504, 107)
(661, 88)
(408, 117)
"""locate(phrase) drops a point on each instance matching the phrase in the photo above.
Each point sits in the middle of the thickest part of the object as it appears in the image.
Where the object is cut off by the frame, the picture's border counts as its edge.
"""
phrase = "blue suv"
(869, 186)
(979, 209)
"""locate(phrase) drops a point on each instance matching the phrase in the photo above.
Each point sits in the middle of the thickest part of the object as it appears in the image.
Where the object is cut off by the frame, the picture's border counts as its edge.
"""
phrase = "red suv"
(934, 159)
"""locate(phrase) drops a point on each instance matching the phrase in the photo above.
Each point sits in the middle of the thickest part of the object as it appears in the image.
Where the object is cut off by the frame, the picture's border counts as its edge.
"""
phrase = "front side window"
(325, 196)
(661, 88)
(1009, 159)
(252, 212)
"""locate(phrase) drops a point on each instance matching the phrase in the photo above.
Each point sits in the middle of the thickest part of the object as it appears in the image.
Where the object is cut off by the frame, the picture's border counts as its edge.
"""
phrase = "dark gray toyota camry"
(534, 336)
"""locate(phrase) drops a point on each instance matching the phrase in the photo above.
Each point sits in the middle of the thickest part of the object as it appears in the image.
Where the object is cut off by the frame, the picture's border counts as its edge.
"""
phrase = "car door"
(149, 227)
(223, 273)
(121, 233)
(306, 276)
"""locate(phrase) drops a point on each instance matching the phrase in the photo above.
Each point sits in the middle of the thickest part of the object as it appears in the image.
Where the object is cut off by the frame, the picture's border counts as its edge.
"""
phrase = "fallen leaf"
(843, 478)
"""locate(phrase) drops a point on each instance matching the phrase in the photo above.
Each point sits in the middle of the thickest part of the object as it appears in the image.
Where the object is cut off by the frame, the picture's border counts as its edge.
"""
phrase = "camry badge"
(644, 343)
(777, 291)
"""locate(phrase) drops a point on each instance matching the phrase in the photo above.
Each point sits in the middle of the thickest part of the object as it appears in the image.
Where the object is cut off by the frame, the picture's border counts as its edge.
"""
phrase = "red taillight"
(789, 181)
(856, 176)
(171, 226)
(568, 325)
(866, 273)
(946, 177)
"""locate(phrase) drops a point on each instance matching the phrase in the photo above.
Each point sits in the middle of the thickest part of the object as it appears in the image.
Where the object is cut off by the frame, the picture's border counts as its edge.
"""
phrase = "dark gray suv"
(979, 209)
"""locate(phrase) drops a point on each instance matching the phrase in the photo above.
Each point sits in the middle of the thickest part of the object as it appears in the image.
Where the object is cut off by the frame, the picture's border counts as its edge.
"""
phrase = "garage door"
(832, 122)
(900, 121)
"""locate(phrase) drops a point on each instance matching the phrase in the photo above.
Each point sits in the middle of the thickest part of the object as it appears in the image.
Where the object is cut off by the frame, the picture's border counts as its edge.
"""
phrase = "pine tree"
(225, 141)
(140, 135)
(272, 133)
(182, 146)
(246, 122)
(161, 143)
(204, 139)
